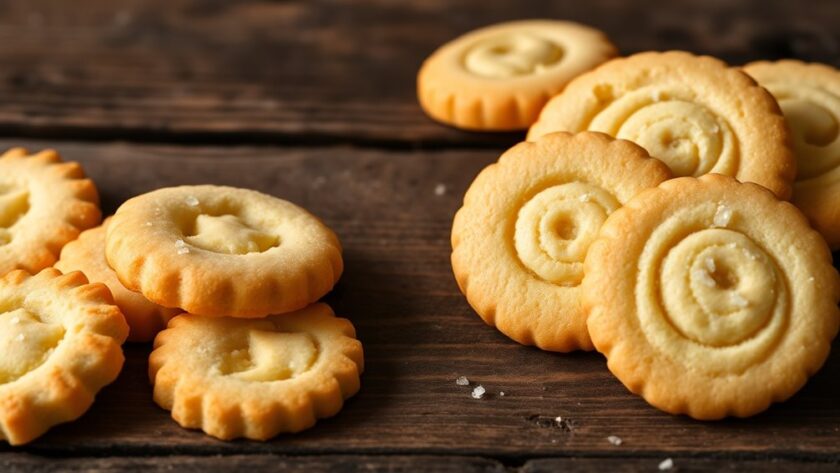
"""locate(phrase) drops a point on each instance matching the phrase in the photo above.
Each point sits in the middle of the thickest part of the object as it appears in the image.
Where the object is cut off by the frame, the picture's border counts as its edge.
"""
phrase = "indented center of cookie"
(272, 356)
(14, 203)
(25, 343)
(229, 234)
(512, 55)
(554, 229)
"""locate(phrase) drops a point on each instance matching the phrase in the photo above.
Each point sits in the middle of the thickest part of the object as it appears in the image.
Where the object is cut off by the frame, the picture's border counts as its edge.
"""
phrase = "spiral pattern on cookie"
(707, 291)
(556, 226)
(672, 125)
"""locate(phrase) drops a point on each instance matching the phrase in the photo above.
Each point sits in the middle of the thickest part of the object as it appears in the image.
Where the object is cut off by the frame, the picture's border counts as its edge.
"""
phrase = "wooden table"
(313, 101)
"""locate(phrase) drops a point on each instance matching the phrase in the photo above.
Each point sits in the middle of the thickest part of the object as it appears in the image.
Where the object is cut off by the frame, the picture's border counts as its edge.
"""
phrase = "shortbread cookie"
(694, 113)
(500, 76)
(60, 341)
(44, 203)
(710, 297)
(519, 241)
(87, 254)
(255, 378)
(222, 251)
(809, 95)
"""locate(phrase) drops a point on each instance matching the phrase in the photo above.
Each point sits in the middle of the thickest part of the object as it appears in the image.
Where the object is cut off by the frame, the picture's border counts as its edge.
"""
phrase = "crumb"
(615, 440)
(666, 464)
(478, 392)
(462, 381)
(192, 201)
(181, 247)
(440, 189)
(723, 215)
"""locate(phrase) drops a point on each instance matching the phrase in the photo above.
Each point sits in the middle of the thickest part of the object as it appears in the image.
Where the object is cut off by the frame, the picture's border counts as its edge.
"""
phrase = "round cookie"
(809, 95)
(255, 378)
(60, 338)
(500, 76)
(44, 203)
(711, 298)
(519, 241)
(222, 251)
(694, 113)
(87, 254)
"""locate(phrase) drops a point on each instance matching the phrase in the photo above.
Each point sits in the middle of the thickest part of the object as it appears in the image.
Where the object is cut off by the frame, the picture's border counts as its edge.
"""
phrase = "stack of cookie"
(647, 215)
(262, 358)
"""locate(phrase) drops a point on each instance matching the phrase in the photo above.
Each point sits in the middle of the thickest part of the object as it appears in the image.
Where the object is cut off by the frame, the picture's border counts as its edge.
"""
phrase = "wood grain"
(418, 332)
(318, 71)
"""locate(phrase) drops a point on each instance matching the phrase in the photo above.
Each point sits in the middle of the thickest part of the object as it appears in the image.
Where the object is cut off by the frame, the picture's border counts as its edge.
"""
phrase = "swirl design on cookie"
(519, 241)
(809, 95)
(555, 228)
(694, 113)
(256, 378)
(44, 203)
(710, 297)
(500, 76)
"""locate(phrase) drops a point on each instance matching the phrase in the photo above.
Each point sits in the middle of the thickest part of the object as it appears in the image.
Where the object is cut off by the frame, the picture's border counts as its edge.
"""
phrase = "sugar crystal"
(478, 392)
(462, 381)
(192, 201)
(615, 440)
(723, 215)
(181, 247)
(666, 464)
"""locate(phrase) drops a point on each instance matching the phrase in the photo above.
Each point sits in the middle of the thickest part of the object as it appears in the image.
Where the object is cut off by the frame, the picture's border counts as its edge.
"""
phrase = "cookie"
(255, 378)
(44, 203)
(60, 338)
(711, 298)
(87, 254)
(500, 76)
(809, 95)
(694, 113)
(222, 251)
(519, 241)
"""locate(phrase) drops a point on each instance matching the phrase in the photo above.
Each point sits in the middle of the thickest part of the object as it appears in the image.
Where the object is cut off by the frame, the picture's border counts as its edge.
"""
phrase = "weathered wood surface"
(419, 335)
(318, 70)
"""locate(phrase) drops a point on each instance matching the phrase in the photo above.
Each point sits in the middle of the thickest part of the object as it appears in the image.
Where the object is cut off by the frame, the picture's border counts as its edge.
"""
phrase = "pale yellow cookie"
(44, 203)
(222, 251)
(500, 76)
(711, 298)
(60, 341)
(87, 254)
(694, 113)
(519, 241)
(255, 378)
(809, 95)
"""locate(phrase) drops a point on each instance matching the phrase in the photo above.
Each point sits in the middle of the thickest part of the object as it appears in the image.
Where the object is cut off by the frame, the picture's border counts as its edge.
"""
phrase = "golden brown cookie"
(60, 341)
(500, 76)
(255, 378)
(44, 203)
(809, 95)
(222, 251)
(519, 241)
(694, 113)
(87, 254)
(710, 297)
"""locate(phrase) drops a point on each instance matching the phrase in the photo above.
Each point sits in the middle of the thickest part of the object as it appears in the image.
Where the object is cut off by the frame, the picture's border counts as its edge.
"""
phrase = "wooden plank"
(419, 334)
(315, 70)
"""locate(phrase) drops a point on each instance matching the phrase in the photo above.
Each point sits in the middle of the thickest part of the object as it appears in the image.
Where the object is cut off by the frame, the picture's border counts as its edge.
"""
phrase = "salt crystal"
(585, 197)
(478, 392)
(615, 440)
(739, 300)
(462, 381)
(666, 464)
(656, 95)
(714, 128)
(21, 337)
(501, 394)
(192, 201)
(558, 420)
(440, 189)
(703, 277)
(16, 320)
(181, 247)
(710, 265)
(723, 215)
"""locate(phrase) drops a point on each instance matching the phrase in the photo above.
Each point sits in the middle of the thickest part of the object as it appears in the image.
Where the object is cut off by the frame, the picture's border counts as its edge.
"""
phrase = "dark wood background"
(313, 101)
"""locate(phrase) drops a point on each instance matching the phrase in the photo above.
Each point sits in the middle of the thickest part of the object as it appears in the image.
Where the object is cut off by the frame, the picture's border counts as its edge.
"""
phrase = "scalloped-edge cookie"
(519, 241)
(809, 95)
(87, 254)
(222, 251)
(60, 341)
(44, 203)
(256, 378)
(500, 76)
(710, 297)
(695, 113)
